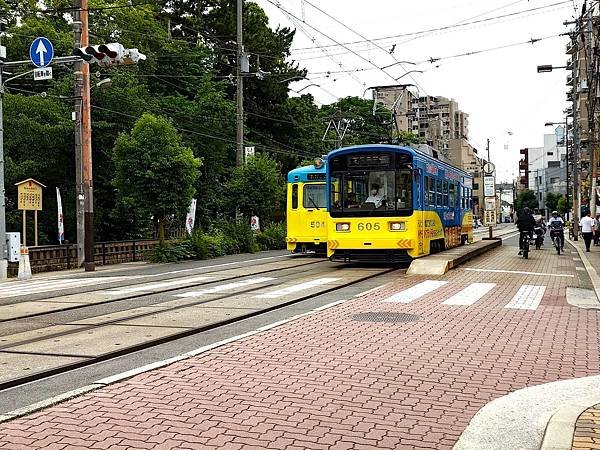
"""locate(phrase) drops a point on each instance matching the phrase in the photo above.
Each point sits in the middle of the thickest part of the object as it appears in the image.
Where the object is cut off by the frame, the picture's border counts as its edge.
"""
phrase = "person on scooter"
(525, 224)
(557, 225)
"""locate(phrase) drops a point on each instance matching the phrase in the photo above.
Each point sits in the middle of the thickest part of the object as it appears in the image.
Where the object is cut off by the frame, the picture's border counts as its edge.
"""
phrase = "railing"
(48, 258)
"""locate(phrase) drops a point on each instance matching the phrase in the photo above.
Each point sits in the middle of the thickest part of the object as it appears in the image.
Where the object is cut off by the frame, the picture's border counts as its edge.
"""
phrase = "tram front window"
(314, 196)
(377, 193)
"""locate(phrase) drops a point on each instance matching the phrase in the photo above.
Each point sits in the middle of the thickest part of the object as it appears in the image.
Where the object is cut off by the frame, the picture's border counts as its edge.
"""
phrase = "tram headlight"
(342, 226)
(397, 226)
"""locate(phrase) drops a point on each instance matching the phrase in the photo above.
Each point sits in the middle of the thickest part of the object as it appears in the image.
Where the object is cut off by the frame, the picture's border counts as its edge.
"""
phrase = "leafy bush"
(171, 252)
(237, 236)
(273, 237)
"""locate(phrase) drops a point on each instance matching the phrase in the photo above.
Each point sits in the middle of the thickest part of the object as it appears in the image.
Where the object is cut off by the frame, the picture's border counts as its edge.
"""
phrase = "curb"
(588, 267)
(560, 430)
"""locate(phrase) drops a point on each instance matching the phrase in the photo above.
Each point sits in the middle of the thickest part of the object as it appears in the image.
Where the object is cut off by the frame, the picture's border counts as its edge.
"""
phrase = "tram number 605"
(368, 226)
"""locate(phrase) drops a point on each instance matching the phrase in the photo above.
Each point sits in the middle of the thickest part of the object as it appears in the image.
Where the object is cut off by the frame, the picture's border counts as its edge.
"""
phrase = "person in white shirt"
(587, 230)
(376, 198)
(557, 225)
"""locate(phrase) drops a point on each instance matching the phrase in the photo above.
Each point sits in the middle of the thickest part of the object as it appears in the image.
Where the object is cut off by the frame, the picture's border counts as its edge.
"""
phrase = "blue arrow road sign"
(41, 52)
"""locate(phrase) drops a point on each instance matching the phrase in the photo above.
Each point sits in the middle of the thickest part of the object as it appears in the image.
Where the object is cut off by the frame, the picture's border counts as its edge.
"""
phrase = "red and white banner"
(61, 219)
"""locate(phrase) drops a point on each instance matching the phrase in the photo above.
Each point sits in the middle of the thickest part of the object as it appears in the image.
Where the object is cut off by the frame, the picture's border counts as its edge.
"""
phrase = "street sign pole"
(3, 249)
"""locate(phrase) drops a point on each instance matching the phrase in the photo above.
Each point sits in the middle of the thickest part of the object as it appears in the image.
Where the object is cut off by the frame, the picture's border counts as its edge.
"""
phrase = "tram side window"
(452, 193)
(294, 196)
(430, 188)
(445, 192)
(440, 193)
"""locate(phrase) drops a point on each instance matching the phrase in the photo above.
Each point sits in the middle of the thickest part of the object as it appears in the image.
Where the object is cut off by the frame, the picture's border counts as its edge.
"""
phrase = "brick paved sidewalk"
(587, 430)
(334, 380)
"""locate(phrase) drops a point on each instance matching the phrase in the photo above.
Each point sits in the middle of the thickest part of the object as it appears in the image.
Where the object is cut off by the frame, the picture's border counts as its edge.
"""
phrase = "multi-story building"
(464, 155)
(436, 120)
(543, 169)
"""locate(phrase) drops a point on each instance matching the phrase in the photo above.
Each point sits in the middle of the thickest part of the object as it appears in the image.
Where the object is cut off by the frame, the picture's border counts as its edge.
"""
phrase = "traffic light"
(113, 54)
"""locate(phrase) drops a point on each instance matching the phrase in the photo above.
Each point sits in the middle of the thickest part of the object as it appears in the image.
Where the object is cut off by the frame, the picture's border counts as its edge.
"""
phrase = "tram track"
(82, 359)
(143, 293)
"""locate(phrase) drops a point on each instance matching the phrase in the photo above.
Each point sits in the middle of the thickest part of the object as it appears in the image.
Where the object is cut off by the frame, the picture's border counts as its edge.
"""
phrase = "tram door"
(420, 204)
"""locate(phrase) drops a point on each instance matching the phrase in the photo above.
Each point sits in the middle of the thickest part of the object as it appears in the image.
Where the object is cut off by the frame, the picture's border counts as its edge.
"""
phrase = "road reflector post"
(24, 265)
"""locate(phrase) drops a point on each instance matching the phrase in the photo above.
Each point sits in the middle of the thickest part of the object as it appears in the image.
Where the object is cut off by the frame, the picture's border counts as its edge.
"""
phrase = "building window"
(475, 186)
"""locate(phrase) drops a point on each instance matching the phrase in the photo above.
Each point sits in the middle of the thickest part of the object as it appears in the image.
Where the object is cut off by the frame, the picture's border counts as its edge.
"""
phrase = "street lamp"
(548, 68)
(307, 86)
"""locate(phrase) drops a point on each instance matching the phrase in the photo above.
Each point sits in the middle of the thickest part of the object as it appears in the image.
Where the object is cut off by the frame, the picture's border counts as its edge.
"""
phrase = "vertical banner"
(254, 224)
(191, 217)
(61, 219)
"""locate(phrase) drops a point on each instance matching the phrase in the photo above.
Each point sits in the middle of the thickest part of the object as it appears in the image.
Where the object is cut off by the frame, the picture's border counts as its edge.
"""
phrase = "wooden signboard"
(29, 199)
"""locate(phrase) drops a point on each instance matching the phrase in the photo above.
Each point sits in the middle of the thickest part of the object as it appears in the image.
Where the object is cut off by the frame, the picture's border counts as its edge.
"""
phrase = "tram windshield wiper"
(313, 202)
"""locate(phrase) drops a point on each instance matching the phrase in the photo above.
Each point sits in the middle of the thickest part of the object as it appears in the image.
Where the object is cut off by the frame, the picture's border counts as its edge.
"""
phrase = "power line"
(369, 40)
(276, 4)
(431, 30)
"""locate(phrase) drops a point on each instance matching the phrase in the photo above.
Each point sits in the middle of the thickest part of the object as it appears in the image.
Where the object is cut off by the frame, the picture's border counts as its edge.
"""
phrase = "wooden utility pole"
(86, 147)
(239, 155)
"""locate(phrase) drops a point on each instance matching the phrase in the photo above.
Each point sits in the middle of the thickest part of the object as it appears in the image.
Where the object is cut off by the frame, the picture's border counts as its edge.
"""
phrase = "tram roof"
(423, 152)
(301, 173)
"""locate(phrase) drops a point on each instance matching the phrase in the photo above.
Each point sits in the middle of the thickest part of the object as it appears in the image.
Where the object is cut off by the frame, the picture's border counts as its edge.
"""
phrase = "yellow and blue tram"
(307, 208)
(391, 203)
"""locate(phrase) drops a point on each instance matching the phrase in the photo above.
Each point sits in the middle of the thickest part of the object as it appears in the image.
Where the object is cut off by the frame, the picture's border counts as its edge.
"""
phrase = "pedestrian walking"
(597, 230)
(587, 230)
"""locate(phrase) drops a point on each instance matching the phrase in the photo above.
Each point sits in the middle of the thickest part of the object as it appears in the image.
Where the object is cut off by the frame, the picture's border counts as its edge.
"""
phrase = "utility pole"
(488, 150)
(78, 94)
(86, 147)
(239, 156)
(3, 249)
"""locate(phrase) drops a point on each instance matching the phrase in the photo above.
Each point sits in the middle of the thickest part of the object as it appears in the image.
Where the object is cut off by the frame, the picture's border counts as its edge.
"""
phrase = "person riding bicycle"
(557, 225)
(525, 224)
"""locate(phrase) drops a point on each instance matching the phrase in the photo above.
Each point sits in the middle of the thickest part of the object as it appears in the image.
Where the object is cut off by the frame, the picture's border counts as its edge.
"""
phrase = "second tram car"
(391, 203)
(307, 209)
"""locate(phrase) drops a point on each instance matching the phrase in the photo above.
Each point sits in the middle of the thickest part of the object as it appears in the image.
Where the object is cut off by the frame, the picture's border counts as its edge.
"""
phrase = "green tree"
(257, 188)
(155, 173)
(526, 199)
(552, 200)
(563, 206)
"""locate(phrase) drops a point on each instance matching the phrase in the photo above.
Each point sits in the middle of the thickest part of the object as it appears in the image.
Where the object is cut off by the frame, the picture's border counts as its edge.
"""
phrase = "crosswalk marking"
(415, 292)
(225, 287)
(16, 288)
(470, 294)
(527, 297)
(520, 272)
(297, 288)
(157, 285)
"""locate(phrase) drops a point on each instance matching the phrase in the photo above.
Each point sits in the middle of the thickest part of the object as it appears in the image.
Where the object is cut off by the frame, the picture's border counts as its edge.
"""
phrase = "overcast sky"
(506, 99)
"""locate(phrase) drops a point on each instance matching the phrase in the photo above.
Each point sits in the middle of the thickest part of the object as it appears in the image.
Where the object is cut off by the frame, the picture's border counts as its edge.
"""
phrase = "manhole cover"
(382, 316)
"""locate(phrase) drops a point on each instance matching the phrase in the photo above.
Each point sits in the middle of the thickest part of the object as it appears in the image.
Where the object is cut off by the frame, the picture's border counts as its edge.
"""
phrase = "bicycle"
(555, 233)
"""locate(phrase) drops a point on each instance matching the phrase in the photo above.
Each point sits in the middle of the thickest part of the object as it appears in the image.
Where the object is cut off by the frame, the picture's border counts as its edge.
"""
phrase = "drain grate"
(384, 316)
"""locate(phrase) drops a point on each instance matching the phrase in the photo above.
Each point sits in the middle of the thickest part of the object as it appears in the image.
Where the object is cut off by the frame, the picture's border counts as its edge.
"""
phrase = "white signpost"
(489, 186)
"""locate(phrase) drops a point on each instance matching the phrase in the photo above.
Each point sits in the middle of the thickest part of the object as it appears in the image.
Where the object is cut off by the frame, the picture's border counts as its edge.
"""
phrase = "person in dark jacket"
(525, 222)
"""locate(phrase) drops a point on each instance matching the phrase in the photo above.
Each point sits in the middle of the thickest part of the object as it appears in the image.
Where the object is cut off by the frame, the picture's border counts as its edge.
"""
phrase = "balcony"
(569, 80)
(523, 165)
(571, 47)
(569, 65)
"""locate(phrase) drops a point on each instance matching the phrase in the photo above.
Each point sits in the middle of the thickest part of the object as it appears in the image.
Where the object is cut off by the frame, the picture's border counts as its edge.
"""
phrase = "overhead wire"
(430, 30)
(368, 40)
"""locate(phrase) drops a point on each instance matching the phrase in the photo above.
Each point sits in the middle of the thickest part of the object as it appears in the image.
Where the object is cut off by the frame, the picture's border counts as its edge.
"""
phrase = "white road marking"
(527, 297)
(158, 285)
(225, 287)
(34, 287)
(297, 288)
(470, 294)
(413, 293)
(520, 272)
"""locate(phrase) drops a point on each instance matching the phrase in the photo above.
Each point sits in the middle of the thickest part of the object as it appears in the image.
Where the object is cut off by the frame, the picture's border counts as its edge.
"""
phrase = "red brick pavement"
(328, 381)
